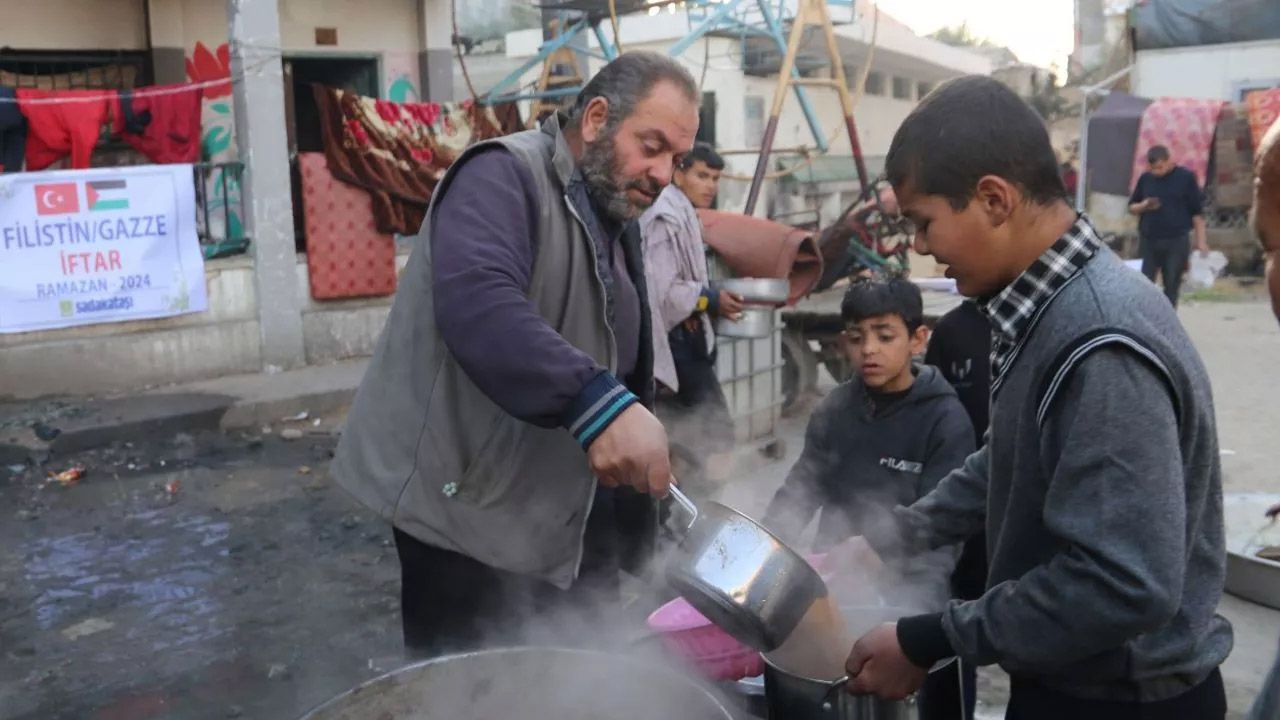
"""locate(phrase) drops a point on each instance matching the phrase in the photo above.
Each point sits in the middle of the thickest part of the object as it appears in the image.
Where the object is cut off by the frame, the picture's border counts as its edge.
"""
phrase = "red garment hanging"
(55, 130)
(164, 126)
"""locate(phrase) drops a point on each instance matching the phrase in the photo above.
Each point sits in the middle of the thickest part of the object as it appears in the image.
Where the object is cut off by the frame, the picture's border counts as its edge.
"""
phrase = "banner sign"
(104, 245)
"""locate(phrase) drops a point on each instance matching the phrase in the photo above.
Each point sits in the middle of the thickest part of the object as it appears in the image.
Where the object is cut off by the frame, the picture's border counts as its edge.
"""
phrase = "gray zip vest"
(431, 453)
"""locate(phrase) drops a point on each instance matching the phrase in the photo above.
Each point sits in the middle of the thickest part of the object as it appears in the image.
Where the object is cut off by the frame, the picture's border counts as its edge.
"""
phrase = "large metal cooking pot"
(529, 684)
(740, 576)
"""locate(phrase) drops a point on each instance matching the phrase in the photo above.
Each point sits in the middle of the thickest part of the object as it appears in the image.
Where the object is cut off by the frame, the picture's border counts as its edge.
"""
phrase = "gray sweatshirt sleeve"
(1116, 503)
(951, 513)
(950, 442)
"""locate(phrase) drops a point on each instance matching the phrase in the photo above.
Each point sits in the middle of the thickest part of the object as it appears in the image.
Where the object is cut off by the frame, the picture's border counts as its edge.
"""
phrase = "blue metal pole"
(558, 92)
(609, 49)
(703, 28)
(775, 28)
(543, 53)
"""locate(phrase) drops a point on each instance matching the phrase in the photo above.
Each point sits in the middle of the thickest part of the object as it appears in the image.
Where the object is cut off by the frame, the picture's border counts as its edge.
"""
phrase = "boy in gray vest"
(1099, 488)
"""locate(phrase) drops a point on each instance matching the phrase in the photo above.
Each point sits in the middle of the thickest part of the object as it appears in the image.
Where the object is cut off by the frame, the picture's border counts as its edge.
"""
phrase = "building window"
(902, 89)
(875, 84)
(923, 89)
(753, 109)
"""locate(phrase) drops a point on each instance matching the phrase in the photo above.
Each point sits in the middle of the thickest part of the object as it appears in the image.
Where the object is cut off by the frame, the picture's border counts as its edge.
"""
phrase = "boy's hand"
(877, 666)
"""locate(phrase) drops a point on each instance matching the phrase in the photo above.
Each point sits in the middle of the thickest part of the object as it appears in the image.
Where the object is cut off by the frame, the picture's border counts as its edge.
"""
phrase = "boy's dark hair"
(967, 128)
(702, 152)
(871, 297)
(1157, 153)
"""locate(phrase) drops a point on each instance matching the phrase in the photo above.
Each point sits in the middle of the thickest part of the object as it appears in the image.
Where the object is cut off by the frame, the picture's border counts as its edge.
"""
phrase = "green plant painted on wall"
(217, 145)
(402, 90)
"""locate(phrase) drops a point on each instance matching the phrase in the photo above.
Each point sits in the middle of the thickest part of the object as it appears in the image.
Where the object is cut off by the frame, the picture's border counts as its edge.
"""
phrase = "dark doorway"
(357, 75)
(707, 119)
(302, 117)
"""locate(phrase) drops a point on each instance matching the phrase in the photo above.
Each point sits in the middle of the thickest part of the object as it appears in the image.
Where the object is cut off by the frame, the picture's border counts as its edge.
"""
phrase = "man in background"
(1167, 201)
(690, 401)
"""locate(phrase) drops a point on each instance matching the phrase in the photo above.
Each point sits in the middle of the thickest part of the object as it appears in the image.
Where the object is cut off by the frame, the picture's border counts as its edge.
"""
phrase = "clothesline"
(144, 92)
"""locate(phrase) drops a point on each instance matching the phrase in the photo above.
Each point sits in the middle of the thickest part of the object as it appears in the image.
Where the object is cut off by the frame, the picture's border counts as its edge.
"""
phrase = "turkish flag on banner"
(57, 198)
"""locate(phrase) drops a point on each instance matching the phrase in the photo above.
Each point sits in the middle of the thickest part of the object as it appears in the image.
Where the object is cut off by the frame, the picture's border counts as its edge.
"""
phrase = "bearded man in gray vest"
(503, 425)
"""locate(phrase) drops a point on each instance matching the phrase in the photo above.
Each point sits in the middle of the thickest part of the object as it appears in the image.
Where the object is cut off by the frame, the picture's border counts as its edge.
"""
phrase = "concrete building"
(260, 314)
(1226, 71)
(738, 80)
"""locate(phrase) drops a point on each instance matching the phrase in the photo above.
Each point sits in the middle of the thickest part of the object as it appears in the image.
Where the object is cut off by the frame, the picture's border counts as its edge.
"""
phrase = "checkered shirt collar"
(1012, 309)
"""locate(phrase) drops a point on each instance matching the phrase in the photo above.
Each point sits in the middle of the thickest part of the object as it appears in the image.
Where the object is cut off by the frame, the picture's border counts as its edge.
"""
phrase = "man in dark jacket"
(960, 347)
(1168, 201)
(1099, 488)
(503, 425)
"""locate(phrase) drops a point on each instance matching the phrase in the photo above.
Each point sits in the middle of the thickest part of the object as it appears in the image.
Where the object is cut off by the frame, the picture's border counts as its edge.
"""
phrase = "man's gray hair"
(628, 79)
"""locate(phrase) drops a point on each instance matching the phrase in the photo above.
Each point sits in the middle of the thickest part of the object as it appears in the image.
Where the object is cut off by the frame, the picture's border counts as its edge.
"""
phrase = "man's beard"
(601, 170)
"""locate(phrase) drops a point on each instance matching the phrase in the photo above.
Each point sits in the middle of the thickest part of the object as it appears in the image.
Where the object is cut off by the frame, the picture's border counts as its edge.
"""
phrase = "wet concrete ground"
(252, 590)
(256, 589)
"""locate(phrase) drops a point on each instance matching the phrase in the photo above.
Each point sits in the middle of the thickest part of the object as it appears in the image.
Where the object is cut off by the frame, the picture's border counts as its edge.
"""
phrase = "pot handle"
(685, 504)
(832, 688)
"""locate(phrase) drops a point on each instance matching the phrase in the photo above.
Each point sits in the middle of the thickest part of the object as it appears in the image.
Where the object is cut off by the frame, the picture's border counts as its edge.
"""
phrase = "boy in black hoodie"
(882, 439)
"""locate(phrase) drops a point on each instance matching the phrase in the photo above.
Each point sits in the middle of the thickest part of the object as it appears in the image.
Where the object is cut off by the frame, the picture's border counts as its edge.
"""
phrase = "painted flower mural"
(205, 66)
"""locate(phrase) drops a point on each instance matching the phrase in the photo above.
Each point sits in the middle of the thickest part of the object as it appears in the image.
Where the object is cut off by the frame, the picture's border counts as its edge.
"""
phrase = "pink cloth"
(1264, 108)
(1183, 125)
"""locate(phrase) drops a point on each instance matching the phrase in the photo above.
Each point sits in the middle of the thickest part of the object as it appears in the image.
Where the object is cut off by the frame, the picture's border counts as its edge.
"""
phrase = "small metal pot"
(740, 576)
(755, 322)
(759, 291)
(792, 697)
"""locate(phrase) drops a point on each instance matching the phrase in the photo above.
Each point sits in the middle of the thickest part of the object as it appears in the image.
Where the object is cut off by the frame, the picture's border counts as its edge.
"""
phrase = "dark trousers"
(939, 698)
(451, 603)
(1029, 701)
(1169, 257)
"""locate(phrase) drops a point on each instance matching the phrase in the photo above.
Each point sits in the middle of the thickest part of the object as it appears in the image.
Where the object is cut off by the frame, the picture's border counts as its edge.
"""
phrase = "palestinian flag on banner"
(106, 195)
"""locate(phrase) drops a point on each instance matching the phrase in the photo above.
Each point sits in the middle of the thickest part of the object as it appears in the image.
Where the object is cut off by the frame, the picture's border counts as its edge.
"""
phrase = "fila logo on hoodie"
(907, 466)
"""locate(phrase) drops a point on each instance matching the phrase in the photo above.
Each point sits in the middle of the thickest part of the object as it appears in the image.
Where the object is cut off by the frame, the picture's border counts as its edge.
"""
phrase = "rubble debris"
(68, 477)
(46, 433)
(303, 415)
(304, 470)
(291, 434)
(172, 486)
(87, 627)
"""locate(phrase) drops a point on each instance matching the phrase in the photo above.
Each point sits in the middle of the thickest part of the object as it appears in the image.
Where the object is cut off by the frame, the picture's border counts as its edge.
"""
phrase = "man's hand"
(730, 305)
(633, 451)
(877, 666)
